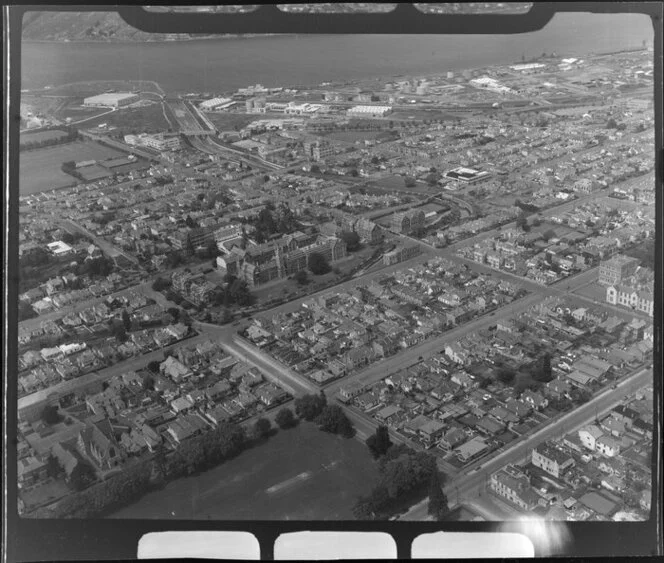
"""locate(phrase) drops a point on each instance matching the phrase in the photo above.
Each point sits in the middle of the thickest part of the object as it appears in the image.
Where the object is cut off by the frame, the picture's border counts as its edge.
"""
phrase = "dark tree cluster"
(309, 407)
(404, 475)
(82, 476)
(163, 180)
(160, 284)
(318, 264)
(285, 419)
(505, 375)
(541, 369)
(262, 428)
(96, 267)
(333, 420)
(272, 221)
(72, 135)
(351, 239)
(379, 442)
(234, 292)
(51, 414)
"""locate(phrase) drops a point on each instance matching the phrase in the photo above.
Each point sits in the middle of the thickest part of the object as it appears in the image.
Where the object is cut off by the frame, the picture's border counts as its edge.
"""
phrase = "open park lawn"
(145, 119)
(298, 474)
(40, 169)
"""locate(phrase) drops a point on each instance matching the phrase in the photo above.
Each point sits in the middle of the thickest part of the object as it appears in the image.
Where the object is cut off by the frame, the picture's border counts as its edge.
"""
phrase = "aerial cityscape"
(393, 294)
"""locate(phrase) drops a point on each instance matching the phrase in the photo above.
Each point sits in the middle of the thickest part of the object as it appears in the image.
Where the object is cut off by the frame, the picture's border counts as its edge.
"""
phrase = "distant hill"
(84, 26)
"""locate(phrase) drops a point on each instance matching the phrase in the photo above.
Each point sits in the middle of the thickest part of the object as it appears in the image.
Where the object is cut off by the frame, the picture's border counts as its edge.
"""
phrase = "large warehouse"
(369, 111)
(115, 100)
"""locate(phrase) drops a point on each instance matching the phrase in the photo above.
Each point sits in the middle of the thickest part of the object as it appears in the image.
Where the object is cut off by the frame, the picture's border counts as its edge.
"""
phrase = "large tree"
(379, 442)
(351, 239)
(438, 506)
(285, 418)
(82, 476)
(309, 407)
(50, 414)
(262, 428)
(126, 320)
(318, 264)
(541, 370)
(332, 419)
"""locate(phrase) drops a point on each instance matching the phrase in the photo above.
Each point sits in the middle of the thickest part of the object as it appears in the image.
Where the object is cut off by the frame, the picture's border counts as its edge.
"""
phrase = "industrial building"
(116, 100)
(215, 103)
(467, 175)
(159, 142)
(369, 111)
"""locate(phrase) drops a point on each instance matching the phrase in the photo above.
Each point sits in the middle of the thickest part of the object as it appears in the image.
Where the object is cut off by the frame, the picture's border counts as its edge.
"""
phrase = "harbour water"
(220, 65)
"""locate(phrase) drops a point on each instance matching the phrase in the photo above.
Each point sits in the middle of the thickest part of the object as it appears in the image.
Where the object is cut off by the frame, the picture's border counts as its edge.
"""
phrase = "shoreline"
(156, 41)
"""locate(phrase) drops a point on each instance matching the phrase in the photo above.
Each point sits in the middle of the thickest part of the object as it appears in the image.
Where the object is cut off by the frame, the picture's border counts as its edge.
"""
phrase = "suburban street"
(102, 243)
(475, 477)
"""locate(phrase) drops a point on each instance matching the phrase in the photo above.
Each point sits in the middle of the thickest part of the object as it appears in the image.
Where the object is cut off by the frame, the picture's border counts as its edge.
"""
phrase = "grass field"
(148, 119)
(226, 121)
(40, 169)
(268, 482)
(76, 112)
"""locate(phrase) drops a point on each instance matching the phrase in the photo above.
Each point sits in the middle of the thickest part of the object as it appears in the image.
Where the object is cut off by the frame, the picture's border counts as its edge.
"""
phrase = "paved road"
(102, 243)
(144, 288)
(125, 366)
(469, 484)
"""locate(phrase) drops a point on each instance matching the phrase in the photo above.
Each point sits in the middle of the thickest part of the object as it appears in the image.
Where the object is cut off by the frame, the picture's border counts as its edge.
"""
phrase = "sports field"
(298, 474)
(40, 169)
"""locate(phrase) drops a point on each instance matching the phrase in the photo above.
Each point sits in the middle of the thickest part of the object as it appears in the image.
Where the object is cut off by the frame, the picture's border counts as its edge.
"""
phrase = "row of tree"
(329, 418)
(71, 135)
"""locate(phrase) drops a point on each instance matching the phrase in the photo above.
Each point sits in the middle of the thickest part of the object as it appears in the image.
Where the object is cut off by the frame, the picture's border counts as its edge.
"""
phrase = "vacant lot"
(147, 119)
(224, 121)
(298, 474)
(40, 169)
(77, 112)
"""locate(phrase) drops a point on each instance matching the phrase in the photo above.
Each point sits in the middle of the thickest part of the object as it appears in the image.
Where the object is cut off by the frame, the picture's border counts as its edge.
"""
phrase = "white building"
(159, 142)
(215, 103)
(589, 436)
(369, 111)
(59, 248)
(114, 100)
(639, 299)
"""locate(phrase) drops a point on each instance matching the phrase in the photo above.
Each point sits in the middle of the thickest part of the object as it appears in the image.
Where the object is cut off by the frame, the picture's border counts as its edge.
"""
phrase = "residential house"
(31, 470)
(431, 432)
(174, 369)
(589, 436)
(181, 404)
(471, 449)
(457, 354)
(513, 485)
(452, 438)
(218, 391)
(607, 445)
(535, 399)
(551, 459)
(519, 408)
(186, 426)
